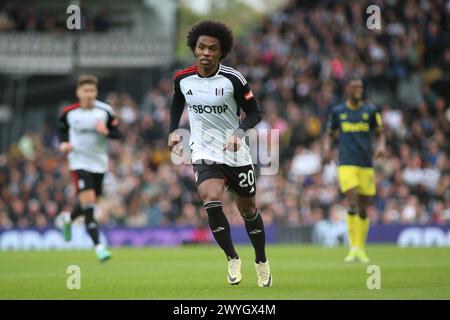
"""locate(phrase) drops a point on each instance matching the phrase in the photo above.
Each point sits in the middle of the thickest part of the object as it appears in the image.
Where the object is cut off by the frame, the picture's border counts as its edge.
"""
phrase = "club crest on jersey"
(219, 91)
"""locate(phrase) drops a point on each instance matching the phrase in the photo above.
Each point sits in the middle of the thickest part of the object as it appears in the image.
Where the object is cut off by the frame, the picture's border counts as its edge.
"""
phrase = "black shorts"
(241, 180)
(85, 180)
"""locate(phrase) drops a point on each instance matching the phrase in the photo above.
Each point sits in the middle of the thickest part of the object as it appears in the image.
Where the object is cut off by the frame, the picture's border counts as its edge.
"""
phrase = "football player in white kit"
(214, 95)
(84, 129)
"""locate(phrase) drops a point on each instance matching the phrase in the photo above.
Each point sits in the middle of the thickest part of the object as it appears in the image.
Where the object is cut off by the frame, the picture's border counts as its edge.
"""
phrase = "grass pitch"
(199, 272)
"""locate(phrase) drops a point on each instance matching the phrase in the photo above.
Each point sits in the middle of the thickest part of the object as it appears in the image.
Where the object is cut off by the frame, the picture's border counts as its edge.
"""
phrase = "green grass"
(199, 272)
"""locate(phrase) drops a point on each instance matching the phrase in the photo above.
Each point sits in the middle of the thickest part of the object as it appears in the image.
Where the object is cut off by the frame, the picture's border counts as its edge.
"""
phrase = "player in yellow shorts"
(355, 122)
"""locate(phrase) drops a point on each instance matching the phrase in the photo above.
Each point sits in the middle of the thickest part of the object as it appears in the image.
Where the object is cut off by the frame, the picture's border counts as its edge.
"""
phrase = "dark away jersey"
(355, 128)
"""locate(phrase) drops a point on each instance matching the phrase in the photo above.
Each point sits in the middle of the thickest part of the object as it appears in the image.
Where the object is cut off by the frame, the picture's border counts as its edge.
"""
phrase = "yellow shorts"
(363, 179)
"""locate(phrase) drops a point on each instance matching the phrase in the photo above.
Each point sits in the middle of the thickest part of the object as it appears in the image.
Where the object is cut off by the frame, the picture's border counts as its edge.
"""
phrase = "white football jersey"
(90, 149)
(214, 112)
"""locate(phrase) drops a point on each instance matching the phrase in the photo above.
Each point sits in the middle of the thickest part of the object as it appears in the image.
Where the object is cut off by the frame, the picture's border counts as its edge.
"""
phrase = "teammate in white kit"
(214, 95)
(84, 128)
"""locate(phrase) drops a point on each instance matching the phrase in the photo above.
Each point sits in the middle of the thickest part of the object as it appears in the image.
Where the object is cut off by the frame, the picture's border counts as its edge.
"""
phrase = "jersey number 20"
(247, 177)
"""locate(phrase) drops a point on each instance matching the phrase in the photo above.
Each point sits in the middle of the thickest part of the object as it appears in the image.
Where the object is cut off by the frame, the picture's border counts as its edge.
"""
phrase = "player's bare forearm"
(327, 141)
(381, 138)
(380, 149)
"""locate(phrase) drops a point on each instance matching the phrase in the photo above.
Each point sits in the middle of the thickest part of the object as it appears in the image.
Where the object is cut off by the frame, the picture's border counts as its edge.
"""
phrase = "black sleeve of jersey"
(113, 127)
(177, 107)
(63, 128)
(245, 99)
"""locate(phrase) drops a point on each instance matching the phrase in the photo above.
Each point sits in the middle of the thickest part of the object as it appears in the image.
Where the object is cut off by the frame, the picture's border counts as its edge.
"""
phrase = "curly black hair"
(213, 29)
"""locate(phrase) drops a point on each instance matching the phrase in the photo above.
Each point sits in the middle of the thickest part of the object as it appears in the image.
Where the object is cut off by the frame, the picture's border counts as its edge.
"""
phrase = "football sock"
(91, 224)
(363, 229)
(255, 231)
(352, 227)
(77, 211)
(220, 228)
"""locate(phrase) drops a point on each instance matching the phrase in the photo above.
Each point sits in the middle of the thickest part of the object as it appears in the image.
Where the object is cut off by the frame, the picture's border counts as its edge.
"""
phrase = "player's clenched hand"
(233, 144)
(65, 147)
(101, 128)
(174, 139)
